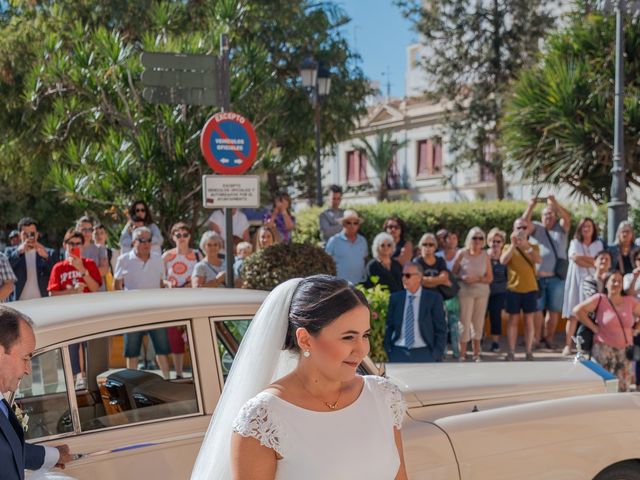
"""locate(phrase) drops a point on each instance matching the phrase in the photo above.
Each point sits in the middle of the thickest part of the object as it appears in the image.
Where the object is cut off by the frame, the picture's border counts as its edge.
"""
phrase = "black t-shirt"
(391, 278)
(432, 270)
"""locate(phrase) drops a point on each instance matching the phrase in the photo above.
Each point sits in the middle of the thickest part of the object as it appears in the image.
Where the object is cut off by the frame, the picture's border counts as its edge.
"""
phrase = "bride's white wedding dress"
(352, 443)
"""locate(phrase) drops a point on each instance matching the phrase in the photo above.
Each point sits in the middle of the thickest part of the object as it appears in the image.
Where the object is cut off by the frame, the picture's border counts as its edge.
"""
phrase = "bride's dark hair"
(318, 301)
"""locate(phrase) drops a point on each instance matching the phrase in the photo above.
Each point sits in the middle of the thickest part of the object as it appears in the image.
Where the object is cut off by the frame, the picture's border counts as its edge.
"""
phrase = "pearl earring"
(306, 354)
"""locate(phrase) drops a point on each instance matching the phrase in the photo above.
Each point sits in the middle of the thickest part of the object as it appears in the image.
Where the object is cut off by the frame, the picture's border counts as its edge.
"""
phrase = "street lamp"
(618, 208)
(317, 80)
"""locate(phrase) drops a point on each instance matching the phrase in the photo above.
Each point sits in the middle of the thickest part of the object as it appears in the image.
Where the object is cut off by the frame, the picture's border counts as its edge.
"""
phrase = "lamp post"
(317, 80)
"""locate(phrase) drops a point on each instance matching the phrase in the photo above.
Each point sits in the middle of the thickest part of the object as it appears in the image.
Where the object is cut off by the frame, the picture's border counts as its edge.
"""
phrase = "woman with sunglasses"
(139, 210)
(179, 263)
(614, 327)
(436, 274)
(395, 227)
(473, 267)
(498, 287)
(387, 270)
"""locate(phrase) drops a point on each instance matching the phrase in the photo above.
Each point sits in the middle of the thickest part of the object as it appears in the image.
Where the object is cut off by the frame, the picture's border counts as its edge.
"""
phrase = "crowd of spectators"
(530, 277)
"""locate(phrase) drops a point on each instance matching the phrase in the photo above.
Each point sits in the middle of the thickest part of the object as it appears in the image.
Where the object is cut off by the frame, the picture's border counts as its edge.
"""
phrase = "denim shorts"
(551, 294)
(525, 302)
(159, 338)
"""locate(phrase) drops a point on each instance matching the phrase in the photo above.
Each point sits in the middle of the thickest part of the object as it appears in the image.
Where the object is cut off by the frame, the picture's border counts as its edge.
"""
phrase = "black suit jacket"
(15, 454)
(433, 327)
(19, 266)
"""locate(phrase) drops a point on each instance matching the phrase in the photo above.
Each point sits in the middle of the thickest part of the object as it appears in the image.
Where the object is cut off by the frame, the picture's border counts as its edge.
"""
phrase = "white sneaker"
(566, 351)
(81, 383)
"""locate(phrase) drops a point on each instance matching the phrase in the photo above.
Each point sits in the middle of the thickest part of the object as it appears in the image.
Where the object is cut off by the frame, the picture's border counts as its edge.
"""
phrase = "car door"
(123, 422)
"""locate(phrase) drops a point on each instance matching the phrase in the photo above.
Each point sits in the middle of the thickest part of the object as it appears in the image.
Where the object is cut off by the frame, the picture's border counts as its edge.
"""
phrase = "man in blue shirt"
(349, 249)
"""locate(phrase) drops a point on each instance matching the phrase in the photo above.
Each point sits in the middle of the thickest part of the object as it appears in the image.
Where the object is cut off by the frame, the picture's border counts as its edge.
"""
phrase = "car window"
(43, 398)
(229, 334)
(135, 376)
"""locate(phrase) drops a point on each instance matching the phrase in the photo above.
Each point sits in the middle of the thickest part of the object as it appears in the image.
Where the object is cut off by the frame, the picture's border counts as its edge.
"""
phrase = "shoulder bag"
(562, 264)
(632, 352)
(586, 333)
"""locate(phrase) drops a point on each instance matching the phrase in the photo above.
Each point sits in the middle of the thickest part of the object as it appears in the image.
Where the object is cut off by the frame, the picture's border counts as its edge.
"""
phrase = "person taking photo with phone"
(75, 274)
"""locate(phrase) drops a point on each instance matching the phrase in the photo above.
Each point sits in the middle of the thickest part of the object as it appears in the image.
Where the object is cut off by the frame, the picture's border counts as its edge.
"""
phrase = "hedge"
(422, 217)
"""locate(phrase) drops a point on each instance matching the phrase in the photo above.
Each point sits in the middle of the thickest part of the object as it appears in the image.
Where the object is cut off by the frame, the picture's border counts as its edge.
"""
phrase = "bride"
(293, 405)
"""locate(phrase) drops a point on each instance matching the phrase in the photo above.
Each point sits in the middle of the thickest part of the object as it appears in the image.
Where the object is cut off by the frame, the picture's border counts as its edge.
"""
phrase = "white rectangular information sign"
(230, 191)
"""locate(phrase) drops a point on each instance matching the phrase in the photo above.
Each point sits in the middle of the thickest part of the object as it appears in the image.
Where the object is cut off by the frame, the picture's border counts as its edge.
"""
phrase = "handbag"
(586, 334)
(449, 292)
(562, 264)
(631, 352)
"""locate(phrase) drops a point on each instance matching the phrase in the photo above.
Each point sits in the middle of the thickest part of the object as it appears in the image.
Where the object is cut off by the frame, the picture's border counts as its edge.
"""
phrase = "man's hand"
(65, 455)
(41, 251)
(214, 226)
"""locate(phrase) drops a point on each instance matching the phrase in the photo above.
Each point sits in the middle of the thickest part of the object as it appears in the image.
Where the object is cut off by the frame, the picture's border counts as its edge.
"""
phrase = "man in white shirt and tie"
(416, 327)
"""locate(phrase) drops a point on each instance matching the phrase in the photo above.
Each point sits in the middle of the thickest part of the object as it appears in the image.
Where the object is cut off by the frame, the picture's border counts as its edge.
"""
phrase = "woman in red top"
(71, 276)
(74, 274)
(614, 327)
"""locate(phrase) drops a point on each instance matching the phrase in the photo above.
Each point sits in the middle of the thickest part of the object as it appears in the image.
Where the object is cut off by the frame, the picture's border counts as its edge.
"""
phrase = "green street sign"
(176, 78)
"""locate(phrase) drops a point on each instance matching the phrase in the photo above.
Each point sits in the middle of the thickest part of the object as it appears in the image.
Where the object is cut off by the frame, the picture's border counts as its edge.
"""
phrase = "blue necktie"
(409, 334)
(4, 408)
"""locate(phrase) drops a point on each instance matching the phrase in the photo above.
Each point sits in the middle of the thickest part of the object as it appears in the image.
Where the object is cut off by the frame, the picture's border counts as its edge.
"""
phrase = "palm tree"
(380, 157)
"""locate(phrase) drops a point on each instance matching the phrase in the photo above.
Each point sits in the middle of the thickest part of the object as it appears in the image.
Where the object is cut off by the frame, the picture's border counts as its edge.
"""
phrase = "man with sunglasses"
(416, 329)
(31, 262)
(552, 235)
(349, 249)
(90, 250)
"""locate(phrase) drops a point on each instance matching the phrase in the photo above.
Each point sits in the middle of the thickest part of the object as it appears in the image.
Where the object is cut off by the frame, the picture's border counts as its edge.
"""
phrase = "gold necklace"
(329, 405)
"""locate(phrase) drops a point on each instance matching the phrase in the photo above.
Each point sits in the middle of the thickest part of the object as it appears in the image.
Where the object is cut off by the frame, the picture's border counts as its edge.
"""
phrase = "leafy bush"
(378, 298)
(422, 217)
(269, 267)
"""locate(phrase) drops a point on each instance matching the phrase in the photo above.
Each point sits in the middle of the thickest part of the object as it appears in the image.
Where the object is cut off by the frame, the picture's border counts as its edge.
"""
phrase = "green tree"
(559, 123)
(70, 82)
(474, 51)
(380, 156)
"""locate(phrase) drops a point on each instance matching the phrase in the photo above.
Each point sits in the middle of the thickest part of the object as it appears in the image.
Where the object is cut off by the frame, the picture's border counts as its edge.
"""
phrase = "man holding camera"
(31, 262)
(551, 234)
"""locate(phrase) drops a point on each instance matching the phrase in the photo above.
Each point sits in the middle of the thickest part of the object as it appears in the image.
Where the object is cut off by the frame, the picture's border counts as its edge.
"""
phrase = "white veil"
(260, 361)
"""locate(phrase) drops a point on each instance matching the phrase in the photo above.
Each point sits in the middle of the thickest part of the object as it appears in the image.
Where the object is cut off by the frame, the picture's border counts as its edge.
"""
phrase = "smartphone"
(541, 199)
(522, 234)
(75, 252)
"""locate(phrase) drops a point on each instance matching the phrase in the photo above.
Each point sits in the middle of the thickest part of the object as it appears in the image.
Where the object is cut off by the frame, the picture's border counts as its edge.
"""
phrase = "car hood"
(429, 384)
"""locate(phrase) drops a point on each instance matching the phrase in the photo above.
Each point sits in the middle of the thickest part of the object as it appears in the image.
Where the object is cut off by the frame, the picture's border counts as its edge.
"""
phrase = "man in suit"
(416, 328)
(17, 343)
(31, 262)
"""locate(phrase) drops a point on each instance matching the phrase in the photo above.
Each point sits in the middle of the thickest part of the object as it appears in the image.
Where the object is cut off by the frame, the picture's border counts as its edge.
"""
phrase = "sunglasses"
(393, 227)
(182, 235)
(408, 275)
(496, 241)
(141, 210)
(427, 244)
(30, 234)
(386, 245)
(74, 244)
(86, 230)
(478, 239)
(144, 240)
(352, 223)
(522, 227)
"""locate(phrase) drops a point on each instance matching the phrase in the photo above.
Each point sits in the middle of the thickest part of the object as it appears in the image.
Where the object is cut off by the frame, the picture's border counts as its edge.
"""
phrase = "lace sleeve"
(393, 398)
(256, 420)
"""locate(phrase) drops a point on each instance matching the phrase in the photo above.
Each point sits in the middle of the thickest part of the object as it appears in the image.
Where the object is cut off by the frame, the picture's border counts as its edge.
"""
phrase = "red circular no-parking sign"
(228, 143)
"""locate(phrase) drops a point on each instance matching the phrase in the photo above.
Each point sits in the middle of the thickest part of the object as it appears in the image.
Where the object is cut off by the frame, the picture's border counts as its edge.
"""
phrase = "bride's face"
(340, 346)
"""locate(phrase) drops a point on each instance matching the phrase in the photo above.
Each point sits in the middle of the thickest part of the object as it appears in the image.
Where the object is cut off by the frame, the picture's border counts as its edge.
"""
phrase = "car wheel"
(621, 471)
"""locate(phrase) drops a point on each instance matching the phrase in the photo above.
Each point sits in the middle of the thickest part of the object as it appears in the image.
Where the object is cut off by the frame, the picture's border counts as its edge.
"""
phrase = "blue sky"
(380, 34)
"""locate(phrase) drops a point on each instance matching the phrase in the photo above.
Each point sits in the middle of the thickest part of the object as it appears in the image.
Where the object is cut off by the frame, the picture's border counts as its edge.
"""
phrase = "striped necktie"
(409, 334)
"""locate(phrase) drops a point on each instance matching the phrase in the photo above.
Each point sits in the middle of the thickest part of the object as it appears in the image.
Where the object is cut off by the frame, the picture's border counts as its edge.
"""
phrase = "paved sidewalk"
(541, 354)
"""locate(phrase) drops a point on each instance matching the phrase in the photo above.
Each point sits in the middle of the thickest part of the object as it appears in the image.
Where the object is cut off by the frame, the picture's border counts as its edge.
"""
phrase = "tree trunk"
(499, 178)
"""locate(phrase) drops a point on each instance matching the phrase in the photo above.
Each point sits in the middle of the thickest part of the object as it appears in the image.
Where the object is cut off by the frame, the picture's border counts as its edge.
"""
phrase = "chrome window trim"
(214, 334)
(75, 415)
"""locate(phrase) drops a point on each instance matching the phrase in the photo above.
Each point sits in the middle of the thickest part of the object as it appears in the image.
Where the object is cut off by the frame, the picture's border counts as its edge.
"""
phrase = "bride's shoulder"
(390, 394)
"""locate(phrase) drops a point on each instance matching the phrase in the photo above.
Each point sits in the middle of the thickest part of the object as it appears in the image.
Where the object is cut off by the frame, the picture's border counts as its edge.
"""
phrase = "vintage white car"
(512, 420)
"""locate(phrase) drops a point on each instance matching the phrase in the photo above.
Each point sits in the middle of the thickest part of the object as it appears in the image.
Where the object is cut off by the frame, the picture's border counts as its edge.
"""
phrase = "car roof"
(67, 310)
